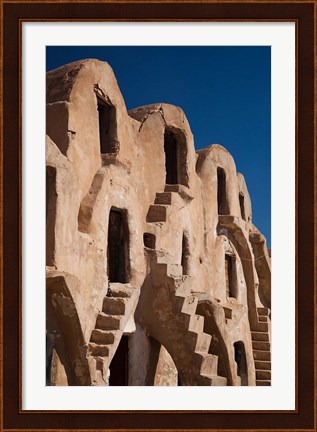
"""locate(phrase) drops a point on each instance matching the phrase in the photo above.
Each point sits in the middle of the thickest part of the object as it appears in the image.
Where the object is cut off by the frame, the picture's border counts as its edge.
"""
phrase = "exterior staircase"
(117, 307)
(262, 349)
(258, 316)
(168, 308)
(182, 327)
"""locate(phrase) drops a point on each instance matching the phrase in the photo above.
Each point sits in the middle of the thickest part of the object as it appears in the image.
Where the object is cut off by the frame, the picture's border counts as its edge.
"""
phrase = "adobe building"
(156, 275)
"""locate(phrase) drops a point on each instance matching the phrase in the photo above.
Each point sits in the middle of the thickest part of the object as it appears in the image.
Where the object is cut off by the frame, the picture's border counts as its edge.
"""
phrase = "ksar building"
(155, 272)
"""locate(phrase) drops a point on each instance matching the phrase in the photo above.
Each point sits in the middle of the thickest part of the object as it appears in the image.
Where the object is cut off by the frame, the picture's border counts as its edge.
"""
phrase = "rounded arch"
(86, 114)
(64, 329)
(160, 358)
(262, 265)
(230, 227)
(216, 168)
(218, 345)
(233, 267)
(175, 130)
(161, 312)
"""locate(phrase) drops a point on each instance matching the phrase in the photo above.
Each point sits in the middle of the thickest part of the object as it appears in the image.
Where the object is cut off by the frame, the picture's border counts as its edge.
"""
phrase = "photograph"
(158, 229)
(158, 216)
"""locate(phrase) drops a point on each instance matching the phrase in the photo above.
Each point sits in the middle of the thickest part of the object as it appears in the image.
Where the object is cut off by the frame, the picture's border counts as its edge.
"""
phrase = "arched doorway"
(241, 360)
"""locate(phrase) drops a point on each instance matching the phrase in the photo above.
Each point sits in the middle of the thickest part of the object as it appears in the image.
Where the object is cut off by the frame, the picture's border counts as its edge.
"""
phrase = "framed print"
(153, 308)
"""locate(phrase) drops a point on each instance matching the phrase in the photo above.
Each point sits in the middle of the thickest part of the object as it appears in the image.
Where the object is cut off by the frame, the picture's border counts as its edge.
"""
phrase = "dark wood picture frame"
(13, 13)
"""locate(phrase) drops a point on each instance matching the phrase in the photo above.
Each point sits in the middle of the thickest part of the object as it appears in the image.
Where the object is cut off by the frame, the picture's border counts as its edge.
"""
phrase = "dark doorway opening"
(229, 263)
(241, 202)
(51, 201)
(107, 126)
(171, 156)
(175, 149)
(118, 247)
(119, 366)
(222, 192)
(241, 360)
(185, 254)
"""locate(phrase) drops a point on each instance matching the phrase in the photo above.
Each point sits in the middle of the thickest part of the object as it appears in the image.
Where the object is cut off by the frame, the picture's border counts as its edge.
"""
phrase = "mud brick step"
(120, 290)
(98, 350)
(114, 305)
(263, 311)
(107, 322)
(188, 303)
(174, 269)
(172, 188)
(157, 213)
(102, 337)
(213, 380)
(262, 355)
(263, 382)
(263, 375)
(260, 336)
(163, 198)
(261, 346)
(196, 323)
(262, 365)
(203, 342)
(209, 364)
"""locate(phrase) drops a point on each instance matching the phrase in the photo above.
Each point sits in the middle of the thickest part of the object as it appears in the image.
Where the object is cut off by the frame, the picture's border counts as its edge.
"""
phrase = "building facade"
(155, 272)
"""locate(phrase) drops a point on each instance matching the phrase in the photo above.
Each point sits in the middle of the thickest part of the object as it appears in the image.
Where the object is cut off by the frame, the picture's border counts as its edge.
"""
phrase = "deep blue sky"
(225, 93)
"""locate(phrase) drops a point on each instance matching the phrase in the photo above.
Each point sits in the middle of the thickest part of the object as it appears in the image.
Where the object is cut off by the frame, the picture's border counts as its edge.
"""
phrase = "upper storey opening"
(223, 206)
(118, 260)
(242, 207)
(107, 126)
(175, 149)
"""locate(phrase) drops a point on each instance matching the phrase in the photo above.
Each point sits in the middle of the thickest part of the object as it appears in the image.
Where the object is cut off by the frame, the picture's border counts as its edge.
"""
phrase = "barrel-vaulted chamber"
(155, 272)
